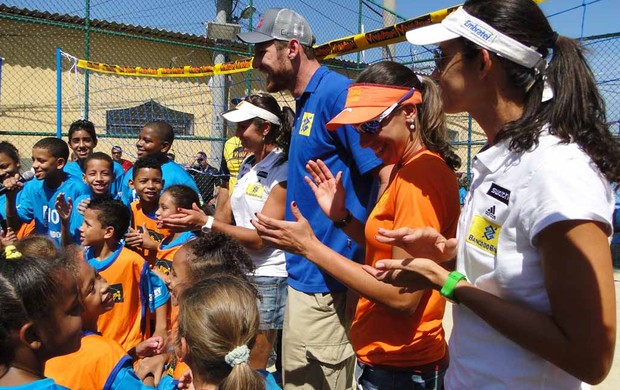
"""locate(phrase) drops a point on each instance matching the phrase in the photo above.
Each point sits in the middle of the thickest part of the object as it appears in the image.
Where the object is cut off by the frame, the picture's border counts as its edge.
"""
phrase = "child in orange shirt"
(213, 253)
(137, 292)
(173, 198)
(114, 366)
(39, 317)
(144, 236)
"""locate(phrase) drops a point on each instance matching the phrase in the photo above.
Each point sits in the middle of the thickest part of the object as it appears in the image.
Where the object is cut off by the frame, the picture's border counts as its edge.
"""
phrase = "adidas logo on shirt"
(490, 212)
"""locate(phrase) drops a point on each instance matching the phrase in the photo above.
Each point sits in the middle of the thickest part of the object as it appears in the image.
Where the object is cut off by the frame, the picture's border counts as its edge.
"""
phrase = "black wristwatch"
(344, 222)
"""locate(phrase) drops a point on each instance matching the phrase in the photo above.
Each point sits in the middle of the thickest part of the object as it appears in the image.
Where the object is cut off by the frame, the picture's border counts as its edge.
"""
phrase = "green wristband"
(447, 291)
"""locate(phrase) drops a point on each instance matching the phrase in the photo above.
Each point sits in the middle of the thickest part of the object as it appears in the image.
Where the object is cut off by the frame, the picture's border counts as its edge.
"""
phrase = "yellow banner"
(341, 46)
(185, 71)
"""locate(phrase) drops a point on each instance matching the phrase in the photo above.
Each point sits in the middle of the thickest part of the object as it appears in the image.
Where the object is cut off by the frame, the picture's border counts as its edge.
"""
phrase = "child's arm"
(64, 208)
(13, 186)
(161, 321)
(149, 347)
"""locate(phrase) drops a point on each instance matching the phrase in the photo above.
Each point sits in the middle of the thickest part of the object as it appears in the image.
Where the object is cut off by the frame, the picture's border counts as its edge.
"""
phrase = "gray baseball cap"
(282, 24)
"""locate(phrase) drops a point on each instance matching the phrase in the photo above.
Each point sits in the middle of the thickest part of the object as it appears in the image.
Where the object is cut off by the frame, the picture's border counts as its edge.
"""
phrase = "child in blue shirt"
(37, 198)
(82, 141)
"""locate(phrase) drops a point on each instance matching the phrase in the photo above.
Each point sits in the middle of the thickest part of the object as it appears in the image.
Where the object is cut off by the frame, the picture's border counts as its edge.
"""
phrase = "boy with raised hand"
(136, 290)
(155, 141)
(144, 236)
(37, 199)
(98, 176)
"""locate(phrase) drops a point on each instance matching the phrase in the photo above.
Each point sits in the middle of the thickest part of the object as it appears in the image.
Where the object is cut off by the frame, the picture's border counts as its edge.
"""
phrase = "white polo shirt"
(254, 184)
(512, 198)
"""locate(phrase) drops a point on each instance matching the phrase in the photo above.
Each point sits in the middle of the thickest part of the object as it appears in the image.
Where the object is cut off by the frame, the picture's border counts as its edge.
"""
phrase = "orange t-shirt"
(123, 322)
(166, 252)
(25, 230)
(138, 219)
(90, 366)
(423, 193)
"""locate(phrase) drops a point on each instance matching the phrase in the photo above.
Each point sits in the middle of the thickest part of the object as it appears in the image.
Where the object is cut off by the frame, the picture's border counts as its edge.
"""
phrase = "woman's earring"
(411, 126)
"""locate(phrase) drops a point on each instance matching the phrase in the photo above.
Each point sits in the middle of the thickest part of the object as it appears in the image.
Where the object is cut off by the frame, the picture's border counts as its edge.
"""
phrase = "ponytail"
(242, 376)
(576, 113)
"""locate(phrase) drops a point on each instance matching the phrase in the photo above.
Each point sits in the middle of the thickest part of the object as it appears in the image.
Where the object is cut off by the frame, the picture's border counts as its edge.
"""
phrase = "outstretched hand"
(294, 237)
(150, 347)
(186, 219)
(63, 206)
(328, 190)
(424, 242)
(8, 237)
(411, 274)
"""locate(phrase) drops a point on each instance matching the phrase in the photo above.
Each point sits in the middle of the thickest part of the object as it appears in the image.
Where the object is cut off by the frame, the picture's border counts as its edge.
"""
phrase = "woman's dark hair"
(577, 111)
(280, 135)
(183, 195)
(431, 117)
(10, 150)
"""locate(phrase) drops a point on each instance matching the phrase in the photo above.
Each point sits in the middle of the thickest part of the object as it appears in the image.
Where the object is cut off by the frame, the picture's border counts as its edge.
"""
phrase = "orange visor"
(367, 101)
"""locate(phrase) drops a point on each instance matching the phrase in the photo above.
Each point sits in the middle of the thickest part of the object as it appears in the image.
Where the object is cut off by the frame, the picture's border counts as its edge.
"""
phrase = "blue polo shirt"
(37, 201)
(322, 100)
(73, 169)
(172, 173)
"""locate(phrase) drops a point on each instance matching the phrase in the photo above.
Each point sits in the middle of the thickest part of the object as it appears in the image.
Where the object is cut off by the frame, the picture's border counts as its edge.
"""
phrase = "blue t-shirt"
(172, 174)
(41, 384)
(322, 100)
(37, 201)
(73, 169)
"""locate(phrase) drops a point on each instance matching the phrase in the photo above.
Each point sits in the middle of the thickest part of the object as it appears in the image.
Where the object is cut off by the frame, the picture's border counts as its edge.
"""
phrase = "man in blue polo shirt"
(316, 349)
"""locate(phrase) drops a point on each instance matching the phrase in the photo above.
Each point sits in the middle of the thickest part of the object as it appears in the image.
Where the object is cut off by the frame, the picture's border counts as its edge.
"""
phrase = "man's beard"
(280, 82)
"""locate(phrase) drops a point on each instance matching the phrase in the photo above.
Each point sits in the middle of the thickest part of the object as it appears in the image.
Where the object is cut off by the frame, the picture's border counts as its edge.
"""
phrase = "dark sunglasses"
(374, 126)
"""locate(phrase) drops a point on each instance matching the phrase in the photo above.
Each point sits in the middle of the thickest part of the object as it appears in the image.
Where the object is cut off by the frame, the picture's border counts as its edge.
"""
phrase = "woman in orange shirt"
(399, 116)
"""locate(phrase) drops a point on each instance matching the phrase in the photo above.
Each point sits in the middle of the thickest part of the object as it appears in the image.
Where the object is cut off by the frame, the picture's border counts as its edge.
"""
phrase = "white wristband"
(206, 228)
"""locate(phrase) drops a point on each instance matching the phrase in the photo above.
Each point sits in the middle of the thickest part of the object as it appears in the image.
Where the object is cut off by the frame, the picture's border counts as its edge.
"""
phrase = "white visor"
(245, 111)
(461, 24)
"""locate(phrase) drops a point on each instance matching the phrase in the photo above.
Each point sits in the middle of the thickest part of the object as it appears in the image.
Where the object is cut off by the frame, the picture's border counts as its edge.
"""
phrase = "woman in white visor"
(533, 285)
(265, 132)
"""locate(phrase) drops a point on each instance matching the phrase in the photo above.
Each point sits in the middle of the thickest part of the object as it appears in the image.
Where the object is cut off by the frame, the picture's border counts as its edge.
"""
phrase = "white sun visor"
(245, 111)
(461, 24)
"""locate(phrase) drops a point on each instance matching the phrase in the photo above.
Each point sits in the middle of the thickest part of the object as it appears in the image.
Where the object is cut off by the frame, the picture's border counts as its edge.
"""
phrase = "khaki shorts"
(316, 351)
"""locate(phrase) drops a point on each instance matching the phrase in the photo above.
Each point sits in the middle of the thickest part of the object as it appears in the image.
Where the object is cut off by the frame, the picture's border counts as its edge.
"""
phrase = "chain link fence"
(157, 33)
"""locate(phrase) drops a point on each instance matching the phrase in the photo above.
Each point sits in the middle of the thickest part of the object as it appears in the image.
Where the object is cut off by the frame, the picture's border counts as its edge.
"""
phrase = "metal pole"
(359, 30)
(219, 86)
(58, 93)
(249, 74)
(469, 126)
(389, 19)
(86, 56)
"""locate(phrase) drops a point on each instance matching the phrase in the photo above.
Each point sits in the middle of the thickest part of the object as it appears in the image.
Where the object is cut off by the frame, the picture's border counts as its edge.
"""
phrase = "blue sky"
(601, 16)
(330, 18)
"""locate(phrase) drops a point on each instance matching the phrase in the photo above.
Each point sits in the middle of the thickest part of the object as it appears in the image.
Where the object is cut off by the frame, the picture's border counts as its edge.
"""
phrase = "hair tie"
(11, 252)
(237, 356)
(552, 41)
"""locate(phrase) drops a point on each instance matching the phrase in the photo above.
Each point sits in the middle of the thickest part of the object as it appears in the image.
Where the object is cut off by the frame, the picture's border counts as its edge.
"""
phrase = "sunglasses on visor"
(374, 126)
